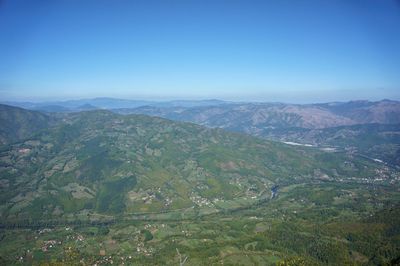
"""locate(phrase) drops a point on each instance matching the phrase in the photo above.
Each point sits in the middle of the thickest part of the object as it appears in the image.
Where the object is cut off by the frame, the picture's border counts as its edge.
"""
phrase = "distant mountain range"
(371, 128)
(106, 103)
(255, 118)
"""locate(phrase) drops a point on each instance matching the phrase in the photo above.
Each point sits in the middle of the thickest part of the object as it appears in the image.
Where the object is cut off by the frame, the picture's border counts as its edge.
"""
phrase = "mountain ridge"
(96, 152)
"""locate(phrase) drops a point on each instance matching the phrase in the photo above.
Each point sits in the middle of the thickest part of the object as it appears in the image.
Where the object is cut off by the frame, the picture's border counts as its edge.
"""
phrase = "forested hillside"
(100, 187)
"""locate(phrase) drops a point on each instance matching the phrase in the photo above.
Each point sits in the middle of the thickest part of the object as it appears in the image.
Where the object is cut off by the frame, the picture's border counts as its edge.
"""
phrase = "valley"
(101, 188)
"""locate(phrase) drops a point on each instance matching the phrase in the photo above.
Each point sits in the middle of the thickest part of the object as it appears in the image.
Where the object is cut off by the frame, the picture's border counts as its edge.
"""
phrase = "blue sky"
(291, 51)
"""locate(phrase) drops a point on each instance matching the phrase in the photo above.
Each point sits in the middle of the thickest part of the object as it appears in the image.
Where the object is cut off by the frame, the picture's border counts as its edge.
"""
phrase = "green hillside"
(376, 141)
(105, 163)
(139, 188)
(17, 123)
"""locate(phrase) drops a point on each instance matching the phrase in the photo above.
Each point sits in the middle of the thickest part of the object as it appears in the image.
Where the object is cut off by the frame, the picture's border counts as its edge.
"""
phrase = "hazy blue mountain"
(72, 105)
(253, 117)
(107, 103)
(384, 112)
(50, 108)
(370, 128)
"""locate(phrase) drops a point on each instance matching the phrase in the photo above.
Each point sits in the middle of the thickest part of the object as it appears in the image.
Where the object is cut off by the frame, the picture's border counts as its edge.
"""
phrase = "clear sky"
(291, 51)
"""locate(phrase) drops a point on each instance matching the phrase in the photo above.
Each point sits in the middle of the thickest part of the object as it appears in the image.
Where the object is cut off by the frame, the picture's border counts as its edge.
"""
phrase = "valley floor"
(305, 224)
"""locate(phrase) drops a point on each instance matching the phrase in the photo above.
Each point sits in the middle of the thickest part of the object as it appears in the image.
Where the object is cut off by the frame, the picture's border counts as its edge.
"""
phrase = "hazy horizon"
(161, 100)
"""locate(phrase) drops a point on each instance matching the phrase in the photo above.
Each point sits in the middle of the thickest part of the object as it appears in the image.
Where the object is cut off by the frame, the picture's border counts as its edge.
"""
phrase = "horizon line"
(172, 99)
